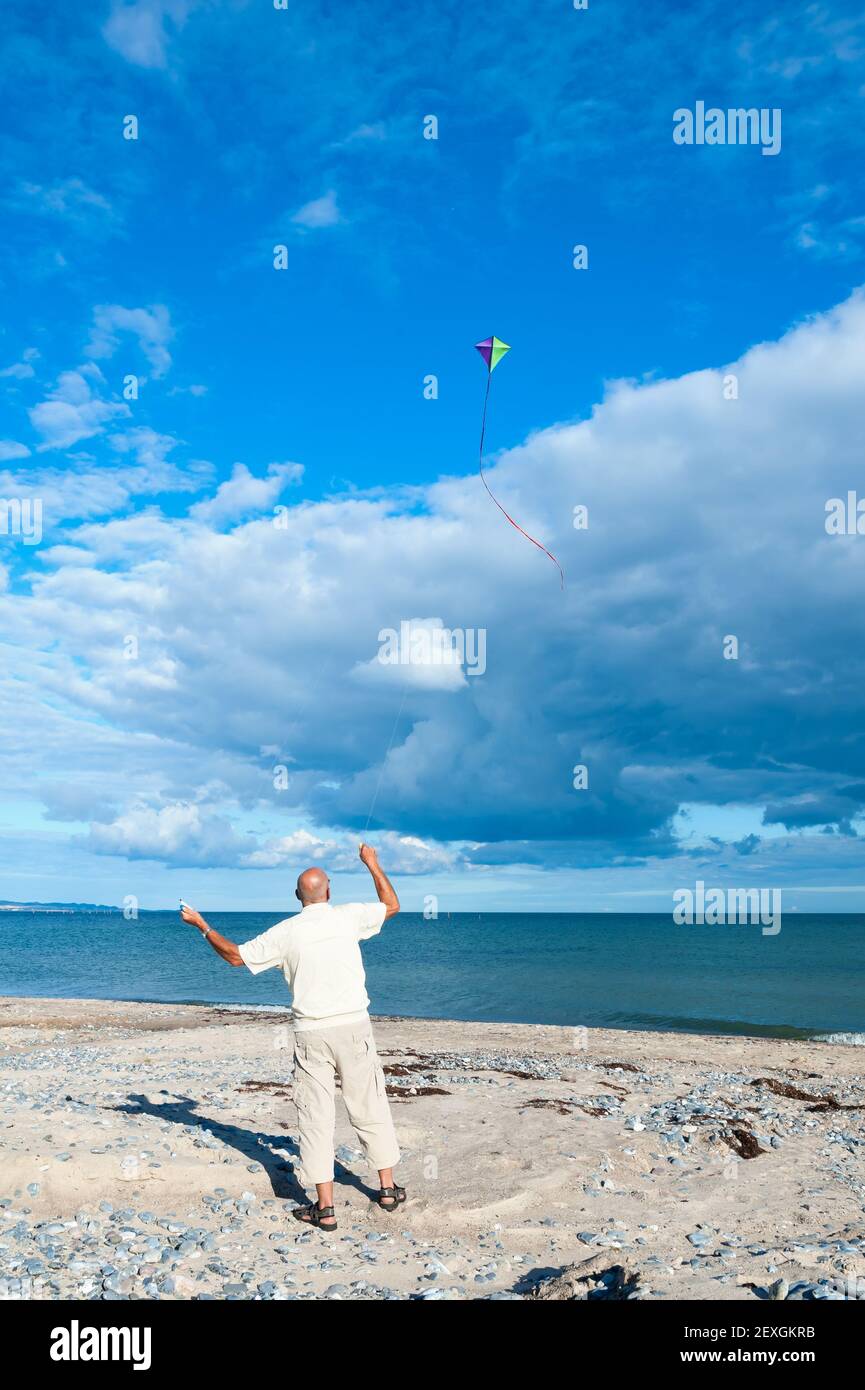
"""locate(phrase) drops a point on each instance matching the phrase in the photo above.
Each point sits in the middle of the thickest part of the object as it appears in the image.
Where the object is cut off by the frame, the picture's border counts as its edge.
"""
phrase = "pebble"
(700, 1238)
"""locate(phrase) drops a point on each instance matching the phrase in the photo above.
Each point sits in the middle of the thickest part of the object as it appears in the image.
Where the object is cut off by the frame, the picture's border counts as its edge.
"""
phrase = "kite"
(492, 350)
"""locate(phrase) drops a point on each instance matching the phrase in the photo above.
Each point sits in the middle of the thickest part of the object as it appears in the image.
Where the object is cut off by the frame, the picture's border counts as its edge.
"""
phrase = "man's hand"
(368, 855)
(194, 918)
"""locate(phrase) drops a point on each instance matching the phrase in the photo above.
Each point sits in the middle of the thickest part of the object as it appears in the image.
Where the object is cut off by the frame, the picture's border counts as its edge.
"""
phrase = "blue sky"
(256, 645)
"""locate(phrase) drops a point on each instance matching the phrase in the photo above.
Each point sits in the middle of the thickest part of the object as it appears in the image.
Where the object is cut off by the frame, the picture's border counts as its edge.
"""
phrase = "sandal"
(314, 1215)
(395, 1194)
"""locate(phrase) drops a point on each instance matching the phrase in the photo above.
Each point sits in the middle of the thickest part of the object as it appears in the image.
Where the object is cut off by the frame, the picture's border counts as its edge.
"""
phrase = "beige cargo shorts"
(347, 1052)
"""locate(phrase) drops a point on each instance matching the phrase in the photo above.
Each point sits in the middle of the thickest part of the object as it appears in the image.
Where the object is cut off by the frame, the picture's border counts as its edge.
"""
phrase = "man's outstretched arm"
(221, 944)
(383, 885)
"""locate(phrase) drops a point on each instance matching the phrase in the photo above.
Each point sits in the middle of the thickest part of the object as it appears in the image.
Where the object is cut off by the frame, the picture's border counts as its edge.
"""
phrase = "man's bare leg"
(385, 1179)
(324, 1194)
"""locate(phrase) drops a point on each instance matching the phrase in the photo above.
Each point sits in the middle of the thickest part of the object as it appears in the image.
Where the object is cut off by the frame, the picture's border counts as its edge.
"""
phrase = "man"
(319, 954)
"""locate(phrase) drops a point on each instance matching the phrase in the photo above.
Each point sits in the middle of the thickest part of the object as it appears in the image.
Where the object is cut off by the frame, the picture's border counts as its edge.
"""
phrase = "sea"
(609, 970)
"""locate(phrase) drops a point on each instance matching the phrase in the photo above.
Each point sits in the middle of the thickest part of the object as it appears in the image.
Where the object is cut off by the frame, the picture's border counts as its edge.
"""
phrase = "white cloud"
(11, 449)
(321, 212)
(190, 833)
(363, 134)
(403, 854)
(88, 491)
(243, 493)
(68, 198)
(140, 31)
(420, 652)
(151, 326)
(23, 370)
(181, 833)
(149, 447)
(299, 847)
(72, 412)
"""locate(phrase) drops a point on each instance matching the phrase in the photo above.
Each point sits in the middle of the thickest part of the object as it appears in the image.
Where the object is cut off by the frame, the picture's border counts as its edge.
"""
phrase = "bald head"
(313, 886)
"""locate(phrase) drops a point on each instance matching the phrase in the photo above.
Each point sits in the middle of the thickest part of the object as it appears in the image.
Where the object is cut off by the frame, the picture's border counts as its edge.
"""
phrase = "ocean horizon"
(634, 971)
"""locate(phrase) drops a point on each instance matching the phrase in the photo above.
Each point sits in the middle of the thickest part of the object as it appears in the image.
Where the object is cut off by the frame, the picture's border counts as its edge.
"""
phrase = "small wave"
(851, 1039)
(713, 1027)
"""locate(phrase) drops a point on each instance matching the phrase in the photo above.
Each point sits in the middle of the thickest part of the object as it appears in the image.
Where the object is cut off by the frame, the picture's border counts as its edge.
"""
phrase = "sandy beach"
(148, 1151)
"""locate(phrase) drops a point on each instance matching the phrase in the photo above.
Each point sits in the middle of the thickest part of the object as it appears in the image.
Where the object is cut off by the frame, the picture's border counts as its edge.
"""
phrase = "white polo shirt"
(318, 952)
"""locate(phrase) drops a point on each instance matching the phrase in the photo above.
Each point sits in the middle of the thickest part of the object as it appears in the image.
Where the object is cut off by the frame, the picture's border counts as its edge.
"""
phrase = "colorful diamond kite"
(492, 350)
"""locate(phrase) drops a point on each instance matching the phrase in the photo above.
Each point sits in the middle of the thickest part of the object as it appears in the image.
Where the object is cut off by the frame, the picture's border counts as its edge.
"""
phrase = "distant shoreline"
(24, 907)
(60, 907)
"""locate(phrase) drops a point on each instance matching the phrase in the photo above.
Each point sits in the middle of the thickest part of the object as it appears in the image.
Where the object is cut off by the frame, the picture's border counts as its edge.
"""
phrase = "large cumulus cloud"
(706, 520)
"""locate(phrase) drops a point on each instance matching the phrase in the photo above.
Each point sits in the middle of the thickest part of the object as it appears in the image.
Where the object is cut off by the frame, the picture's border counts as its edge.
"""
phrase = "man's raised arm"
(383, 885)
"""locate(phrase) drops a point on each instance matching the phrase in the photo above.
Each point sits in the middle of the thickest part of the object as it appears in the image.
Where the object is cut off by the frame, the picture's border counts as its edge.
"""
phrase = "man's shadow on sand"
(254, 1146)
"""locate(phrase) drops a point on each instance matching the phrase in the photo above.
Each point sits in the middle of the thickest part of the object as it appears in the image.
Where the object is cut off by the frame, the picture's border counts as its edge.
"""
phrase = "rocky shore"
(148, 1151)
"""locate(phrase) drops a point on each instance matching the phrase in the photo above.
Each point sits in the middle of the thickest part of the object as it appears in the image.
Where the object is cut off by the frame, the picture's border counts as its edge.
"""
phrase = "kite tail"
(496, 500)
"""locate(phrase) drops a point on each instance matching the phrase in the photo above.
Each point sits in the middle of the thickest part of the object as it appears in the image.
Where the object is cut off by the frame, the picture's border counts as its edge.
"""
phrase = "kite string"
(495, 499)
(384, 761)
